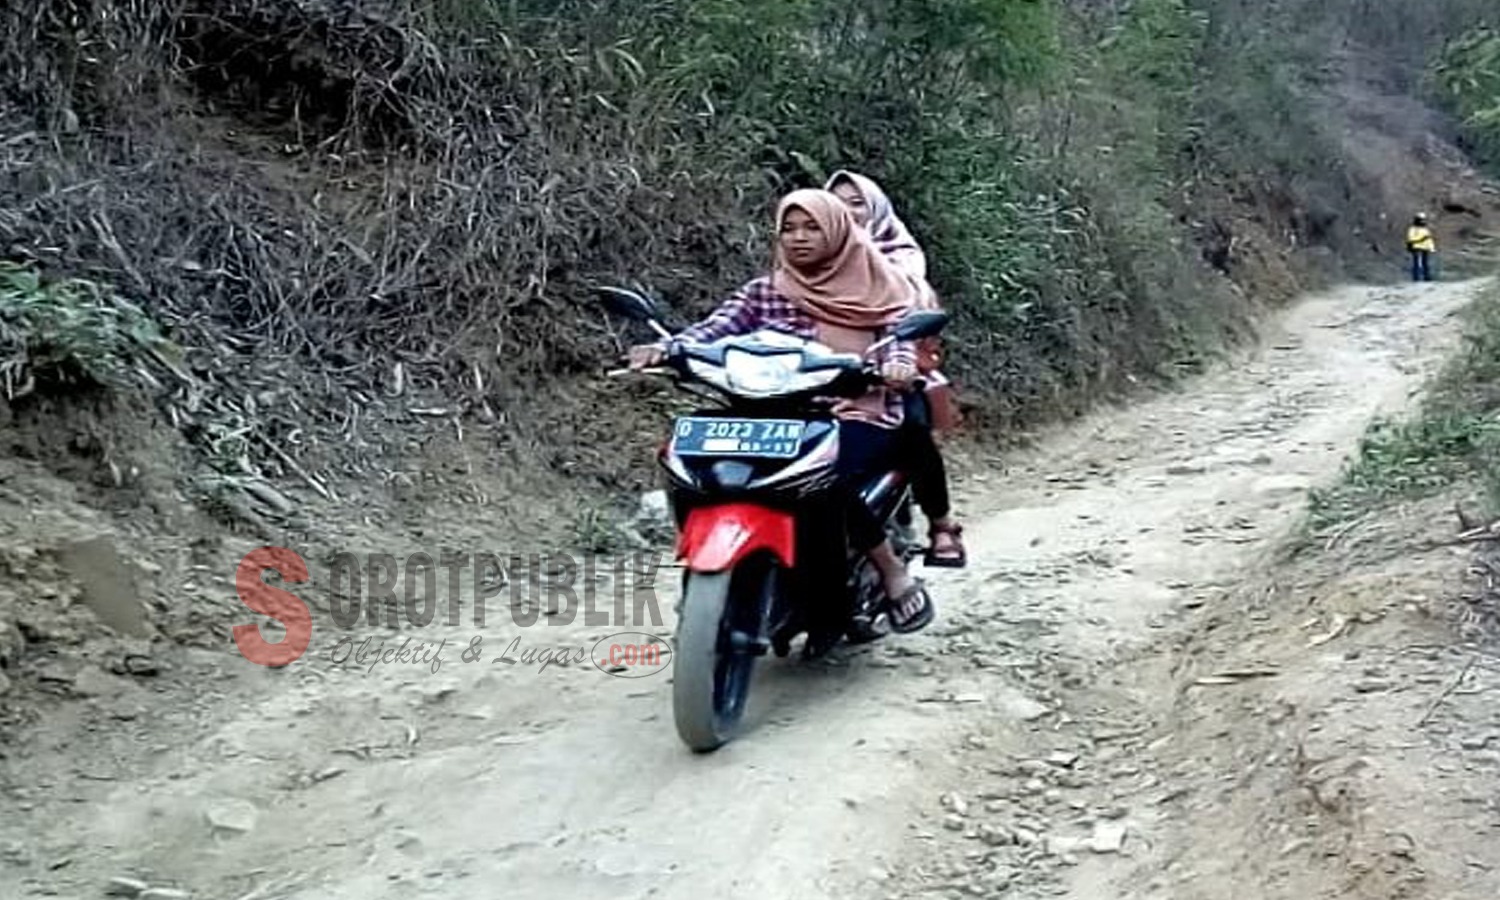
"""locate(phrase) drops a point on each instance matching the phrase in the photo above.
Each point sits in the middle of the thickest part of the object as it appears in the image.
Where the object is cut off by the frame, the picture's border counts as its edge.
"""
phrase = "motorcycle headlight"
(752, 374)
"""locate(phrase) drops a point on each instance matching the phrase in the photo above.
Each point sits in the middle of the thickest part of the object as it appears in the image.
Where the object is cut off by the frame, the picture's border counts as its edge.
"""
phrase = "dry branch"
(1448, 691)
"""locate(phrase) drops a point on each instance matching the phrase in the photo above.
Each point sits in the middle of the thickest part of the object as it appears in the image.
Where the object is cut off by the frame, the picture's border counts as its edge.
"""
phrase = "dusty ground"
(1045, 737)
(1212, 720)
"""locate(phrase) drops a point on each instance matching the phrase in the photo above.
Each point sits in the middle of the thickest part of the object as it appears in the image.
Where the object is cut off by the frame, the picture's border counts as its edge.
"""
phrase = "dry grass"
(364, 221)
(337, 218)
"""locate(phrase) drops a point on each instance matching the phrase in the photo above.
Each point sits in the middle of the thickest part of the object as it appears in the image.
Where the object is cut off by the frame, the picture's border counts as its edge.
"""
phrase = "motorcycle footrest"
(741, 642)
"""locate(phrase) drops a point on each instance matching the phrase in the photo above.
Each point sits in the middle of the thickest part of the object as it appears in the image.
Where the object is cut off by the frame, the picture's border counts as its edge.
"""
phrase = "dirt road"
(976, 758)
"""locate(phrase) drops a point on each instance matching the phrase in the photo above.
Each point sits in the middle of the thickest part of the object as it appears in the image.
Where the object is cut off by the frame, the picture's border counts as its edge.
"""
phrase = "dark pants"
(1421, 265)
(929, 477)
(865, 451)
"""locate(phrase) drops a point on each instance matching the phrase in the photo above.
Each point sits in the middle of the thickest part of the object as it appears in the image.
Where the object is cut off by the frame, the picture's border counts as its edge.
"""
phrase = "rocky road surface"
(1010, 750)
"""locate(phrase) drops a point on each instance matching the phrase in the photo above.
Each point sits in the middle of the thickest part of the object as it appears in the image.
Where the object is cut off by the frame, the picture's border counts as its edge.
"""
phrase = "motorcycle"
(749, 483)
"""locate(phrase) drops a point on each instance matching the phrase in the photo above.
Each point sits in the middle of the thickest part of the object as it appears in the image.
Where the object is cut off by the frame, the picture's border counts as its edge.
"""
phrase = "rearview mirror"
(628, 304)
(918, 325)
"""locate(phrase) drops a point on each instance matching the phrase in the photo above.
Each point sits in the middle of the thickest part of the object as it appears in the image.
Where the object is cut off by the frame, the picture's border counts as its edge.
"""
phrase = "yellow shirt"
(1420, 238)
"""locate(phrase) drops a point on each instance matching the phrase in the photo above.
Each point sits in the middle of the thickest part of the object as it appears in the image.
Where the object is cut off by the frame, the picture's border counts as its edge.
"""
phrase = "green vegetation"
(441, 183)
(69, 332)
(1034, 149)
(1453, 440)
(1468, 73)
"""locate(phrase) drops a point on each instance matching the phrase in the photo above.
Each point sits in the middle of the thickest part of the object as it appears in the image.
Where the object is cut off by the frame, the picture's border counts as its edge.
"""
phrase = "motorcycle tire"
(711, 680)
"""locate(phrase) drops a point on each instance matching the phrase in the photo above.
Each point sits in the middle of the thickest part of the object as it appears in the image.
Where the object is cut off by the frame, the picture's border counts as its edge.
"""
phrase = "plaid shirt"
(757, 305)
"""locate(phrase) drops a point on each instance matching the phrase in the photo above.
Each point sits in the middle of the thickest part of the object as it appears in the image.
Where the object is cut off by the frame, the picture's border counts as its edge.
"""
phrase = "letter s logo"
(280, 605)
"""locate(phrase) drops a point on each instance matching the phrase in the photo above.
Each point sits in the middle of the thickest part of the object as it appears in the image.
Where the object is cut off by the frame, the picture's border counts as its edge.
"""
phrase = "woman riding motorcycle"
(830, 284)
(873, 211)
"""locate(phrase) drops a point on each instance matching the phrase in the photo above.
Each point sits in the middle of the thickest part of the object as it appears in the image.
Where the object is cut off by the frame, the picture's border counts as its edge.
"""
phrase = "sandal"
(955, 556)
(916, 616)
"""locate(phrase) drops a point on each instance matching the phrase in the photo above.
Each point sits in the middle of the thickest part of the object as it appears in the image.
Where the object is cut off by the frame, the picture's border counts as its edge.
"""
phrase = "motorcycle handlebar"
(869, 371)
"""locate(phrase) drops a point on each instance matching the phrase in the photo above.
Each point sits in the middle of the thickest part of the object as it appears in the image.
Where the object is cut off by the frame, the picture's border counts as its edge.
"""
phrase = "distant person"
(1421, 245)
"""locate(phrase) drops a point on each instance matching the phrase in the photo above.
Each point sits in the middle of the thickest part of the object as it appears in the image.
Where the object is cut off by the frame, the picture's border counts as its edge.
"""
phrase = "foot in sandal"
(907, 602)
(946, 550)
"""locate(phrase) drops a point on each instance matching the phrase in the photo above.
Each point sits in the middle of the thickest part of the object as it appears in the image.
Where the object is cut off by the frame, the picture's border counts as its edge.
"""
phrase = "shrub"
(70, 332)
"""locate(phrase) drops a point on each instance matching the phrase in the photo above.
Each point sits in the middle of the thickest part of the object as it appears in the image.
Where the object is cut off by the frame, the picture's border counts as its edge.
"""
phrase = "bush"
(332, 199)
(1468, 74)
(71, 332)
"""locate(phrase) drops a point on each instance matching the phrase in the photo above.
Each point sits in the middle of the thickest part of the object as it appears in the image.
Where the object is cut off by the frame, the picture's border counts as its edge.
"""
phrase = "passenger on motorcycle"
(873, 211)
(830, 284)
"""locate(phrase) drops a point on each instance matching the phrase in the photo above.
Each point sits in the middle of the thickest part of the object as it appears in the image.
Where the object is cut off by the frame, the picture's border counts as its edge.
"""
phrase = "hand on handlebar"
(898, 375)
(644, 356)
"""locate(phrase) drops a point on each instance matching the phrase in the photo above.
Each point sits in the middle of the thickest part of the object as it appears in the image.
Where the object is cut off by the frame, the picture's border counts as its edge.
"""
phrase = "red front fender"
(714, 538)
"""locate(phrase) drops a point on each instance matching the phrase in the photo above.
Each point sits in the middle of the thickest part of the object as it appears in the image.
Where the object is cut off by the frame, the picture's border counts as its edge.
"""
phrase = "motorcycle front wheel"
(711, 677)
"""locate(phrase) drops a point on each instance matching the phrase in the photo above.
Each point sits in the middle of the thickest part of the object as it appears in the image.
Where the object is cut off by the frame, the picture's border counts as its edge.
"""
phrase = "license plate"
(763, 438)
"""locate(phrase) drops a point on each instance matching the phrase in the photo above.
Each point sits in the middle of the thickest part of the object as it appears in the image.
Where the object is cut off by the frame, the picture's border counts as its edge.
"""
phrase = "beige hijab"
(853, 292)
